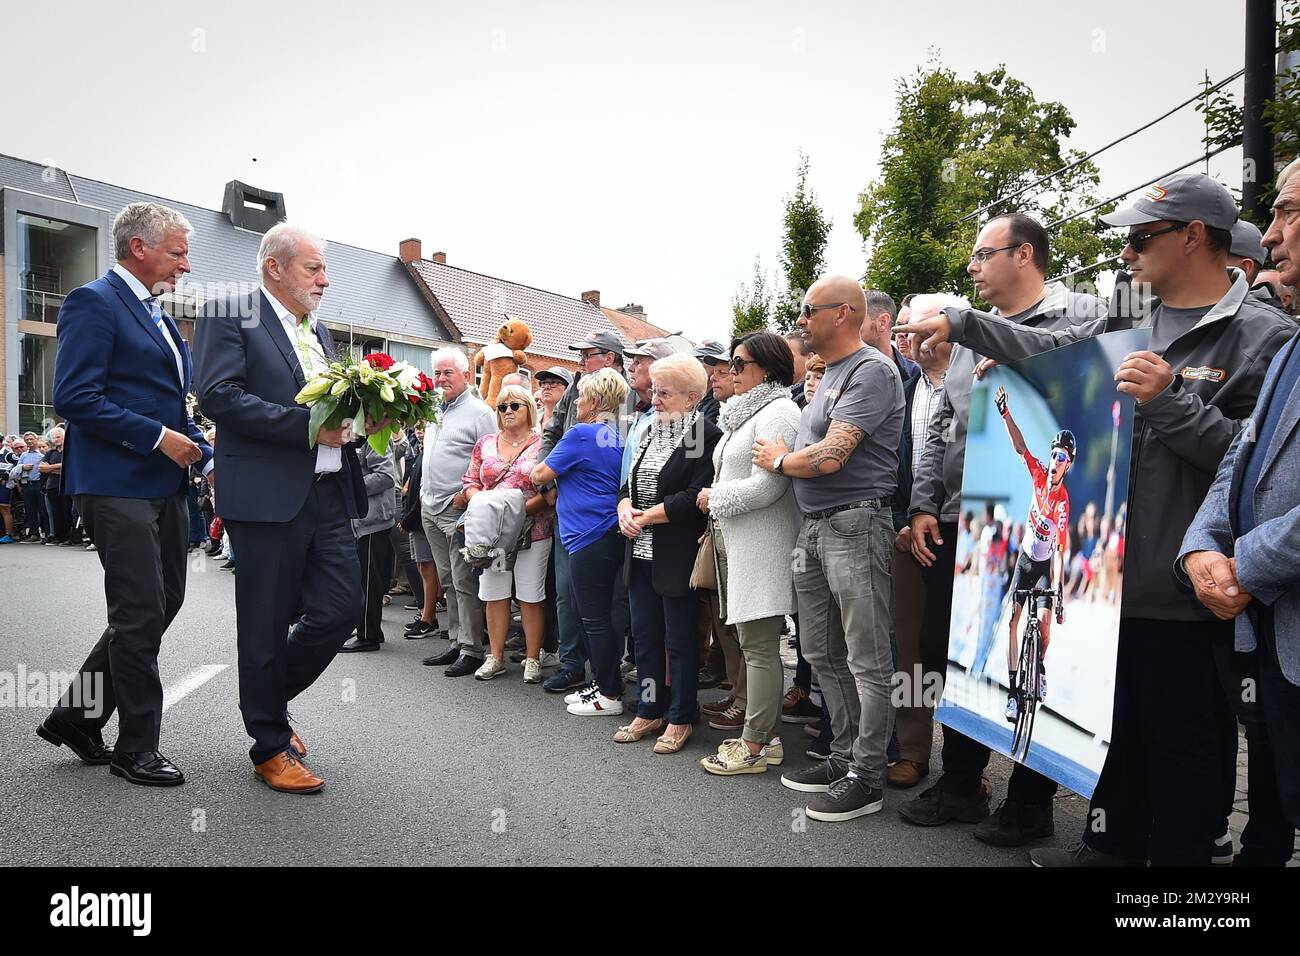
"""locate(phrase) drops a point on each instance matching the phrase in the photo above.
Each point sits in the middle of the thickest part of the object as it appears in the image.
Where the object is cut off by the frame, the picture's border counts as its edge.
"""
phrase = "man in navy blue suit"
(121, 377)
(287, 506)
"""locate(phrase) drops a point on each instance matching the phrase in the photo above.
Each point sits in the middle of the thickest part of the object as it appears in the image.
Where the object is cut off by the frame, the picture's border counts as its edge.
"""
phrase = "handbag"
(704, 573)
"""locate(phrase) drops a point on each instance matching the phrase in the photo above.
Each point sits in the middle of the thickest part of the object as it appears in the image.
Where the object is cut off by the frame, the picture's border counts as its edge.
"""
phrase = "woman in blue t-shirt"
(585, 466)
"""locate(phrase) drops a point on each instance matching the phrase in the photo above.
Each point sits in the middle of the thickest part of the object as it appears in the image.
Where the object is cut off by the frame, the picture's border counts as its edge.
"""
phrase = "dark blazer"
(903, 493)
(687, 472)
(115, 383)
(248, 375)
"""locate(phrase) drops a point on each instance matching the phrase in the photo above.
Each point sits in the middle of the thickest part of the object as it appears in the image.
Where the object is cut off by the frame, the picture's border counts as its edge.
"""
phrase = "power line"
(1078, 162)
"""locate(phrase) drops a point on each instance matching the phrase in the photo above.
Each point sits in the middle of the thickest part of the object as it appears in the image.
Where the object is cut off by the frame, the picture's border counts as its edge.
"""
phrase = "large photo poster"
(1040, 554)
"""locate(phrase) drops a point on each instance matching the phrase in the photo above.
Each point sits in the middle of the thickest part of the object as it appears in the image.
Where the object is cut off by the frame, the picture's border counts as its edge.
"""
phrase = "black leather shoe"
(937, 806)
(356, 644)
(464, 665)
(709, 679)
(149, 769)
(1015, 824)
(85, 742)
(449, 656)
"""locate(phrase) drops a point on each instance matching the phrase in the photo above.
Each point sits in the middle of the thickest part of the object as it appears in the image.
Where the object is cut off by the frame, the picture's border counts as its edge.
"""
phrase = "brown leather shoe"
(296, 743)
(288, 774)
(719, 706)
(906, 773)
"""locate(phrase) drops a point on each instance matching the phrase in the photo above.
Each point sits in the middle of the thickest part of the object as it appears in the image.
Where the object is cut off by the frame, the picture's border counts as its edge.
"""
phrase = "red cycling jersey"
(1050, 507)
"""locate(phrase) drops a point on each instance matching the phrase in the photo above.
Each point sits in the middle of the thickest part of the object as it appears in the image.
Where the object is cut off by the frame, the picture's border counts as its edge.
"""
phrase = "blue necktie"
(155, 312)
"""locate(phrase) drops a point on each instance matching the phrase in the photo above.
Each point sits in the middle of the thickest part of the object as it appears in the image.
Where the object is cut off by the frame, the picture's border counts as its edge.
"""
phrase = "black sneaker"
(412, 607)
(709, 679)
(817, 778)
(565, 680)
(1015, 824)
(418, 630)
(804, 712)
(1080, 854)
(937, 806)
(819, 749)
(847, 799)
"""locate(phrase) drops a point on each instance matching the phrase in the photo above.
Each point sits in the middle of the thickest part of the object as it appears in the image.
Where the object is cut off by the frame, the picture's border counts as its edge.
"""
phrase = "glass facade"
(54, 257)
(35, 382)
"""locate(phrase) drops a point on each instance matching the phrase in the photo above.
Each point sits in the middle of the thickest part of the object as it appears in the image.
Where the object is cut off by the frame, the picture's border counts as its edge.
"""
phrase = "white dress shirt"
(143, 294)
(327, 459)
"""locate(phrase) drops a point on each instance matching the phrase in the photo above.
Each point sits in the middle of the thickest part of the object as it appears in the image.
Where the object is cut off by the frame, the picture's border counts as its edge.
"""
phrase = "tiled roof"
(369, 289)
(632, 327)
(478, 304)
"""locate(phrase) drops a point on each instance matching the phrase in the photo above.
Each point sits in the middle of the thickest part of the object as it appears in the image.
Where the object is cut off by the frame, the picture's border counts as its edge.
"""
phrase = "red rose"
(379, 360)
(415, 399)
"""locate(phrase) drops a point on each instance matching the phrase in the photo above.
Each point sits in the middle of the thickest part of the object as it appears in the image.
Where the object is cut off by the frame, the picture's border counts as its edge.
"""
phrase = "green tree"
(751, 306)
(803, 249)
(1223, 114)
(958, 145)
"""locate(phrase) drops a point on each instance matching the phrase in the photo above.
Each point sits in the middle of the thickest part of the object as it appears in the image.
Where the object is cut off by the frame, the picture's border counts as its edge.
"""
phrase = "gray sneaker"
(817, 778)
(1080, 854)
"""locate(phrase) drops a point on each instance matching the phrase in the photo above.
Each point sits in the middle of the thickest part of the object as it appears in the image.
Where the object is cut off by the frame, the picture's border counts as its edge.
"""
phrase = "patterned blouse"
(486, 466)
(657, 445)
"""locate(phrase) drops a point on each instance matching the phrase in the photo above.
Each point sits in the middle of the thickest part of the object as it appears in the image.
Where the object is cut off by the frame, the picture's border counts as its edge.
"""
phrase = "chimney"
(440, 258)
(248, 207)
(633, 309)
(592, 297)
(409, 250)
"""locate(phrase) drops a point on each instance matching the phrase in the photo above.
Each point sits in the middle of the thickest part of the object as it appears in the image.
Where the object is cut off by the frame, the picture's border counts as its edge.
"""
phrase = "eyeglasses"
(984, 255)
(807, 310)
(738, 365)
(513, 406)
(1060, 456)
(591, 353)
(1140, 239)
(663, 393)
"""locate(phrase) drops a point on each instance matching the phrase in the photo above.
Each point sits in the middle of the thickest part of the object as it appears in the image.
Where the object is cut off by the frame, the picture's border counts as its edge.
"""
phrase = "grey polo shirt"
(448, 447)
(862, 389)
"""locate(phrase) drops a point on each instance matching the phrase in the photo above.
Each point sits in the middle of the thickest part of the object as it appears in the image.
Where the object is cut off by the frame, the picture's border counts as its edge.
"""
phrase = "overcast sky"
(642, 150)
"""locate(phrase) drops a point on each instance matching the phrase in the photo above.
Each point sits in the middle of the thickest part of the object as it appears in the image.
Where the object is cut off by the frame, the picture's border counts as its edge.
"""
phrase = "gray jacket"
(494, 519)
(1179, 437)
(379, 474)
(1268, 557)
(936, 483)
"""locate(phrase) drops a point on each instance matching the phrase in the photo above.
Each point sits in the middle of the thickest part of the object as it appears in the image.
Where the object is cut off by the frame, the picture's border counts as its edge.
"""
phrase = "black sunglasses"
(738, 365)
(1138, 240)
(513, 406)
(807, 310)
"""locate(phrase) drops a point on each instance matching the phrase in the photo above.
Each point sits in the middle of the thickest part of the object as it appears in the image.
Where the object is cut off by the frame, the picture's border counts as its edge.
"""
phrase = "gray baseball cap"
(606, 340)
(1180, 198)
(711, 351)
(661, 347)
(556, 372)
(1246, 242)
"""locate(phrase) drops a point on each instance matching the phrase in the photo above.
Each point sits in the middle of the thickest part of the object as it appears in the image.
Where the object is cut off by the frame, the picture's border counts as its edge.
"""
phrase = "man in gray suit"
(1242, 554)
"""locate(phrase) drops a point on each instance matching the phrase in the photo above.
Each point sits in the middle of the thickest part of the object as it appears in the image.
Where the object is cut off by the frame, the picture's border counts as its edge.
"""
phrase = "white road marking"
(191, 682)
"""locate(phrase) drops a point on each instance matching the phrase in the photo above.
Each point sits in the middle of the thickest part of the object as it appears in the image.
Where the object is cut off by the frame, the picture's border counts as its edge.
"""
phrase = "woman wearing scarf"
(657, 513)
(755, 526)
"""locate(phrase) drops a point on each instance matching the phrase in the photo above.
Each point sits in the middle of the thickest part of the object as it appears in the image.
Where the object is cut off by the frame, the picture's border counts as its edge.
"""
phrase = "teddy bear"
(503, 356)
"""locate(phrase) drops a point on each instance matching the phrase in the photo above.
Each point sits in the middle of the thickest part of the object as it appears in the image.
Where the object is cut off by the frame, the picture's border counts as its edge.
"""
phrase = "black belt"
(869, 503)
(322, 475)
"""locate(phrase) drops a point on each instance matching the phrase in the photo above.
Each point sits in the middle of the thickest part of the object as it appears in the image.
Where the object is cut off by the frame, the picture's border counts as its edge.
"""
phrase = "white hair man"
(287, 496)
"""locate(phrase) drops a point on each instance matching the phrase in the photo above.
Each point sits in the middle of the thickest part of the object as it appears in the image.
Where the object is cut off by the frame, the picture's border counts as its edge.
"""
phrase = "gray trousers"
(844, 582)
(465, 620)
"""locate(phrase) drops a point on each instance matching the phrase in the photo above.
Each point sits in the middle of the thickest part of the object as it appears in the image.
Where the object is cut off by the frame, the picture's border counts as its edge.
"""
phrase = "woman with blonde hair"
(585, 466)
(657, 513)
(506, 460)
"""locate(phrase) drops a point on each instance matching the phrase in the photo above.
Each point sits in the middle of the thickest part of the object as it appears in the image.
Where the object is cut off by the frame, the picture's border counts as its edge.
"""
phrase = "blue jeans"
(571, 636)
(592, 574)
(660, 623)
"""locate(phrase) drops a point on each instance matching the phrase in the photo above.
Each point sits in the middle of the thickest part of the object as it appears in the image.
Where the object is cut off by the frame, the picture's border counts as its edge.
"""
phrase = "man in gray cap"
(1166, 784)
(603, 349)
(551, 385)
(715, 357)
(1247, 250)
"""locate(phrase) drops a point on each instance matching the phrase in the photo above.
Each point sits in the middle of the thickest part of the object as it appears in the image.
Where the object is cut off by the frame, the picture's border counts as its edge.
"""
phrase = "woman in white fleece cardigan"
(755, 524)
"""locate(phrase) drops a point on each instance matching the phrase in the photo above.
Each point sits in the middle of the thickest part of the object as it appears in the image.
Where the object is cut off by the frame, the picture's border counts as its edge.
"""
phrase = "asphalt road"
(420, 768)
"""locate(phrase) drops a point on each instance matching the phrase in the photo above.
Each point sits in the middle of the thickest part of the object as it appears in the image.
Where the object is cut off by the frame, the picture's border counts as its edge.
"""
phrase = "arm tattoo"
(840, 441)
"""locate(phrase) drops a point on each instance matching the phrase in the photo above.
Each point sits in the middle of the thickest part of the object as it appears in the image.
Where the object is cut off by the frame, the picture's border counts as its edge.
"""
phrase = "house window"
(54, 257)
(419, 356)
(35, 382)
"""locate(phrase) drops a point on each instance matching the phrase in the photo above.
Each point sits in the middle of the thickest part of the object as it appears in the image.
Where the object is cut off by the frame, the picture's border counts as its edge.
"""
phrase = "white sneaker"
(549, 659)
(581, 693)
(491, 667)
(774, 752)
(532, 671)
(597, 705)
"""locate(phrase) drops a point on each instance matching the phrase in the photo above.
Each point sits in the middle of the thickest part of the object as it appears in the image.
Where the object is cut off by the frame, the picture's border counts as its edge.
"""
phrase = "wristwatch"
(776, 465)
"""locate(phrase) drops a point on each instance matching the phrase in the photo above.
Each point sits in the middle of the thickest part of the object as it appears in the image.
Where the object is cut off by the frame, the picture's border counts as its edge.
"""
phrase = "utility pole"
(1257, 139)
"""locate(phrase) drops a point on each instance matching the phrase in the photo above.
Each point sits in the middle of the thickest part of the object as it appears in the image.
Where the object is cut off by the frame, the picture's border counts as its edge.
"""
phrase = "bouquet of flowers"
(376, 388)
